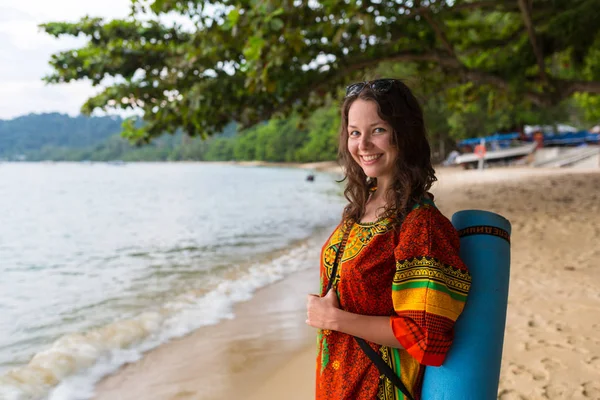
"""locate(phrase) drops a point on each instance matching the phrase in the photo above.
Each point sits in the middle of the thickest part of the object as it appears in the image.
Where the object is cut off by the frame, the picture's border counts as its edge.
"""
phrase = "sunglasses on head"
(377, 86)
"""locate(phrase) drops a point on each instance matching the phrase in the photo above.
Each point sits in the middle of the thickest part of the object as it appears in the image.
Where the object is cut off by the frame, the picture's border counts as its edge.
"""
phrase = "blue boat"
(505, 140)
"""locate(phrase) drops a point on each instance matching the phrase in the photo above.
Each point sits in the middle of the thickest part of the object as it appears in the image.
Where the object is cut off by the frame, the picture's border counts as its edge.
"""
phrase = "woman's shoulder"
(426, 232)
(426, 214)
(426, 226)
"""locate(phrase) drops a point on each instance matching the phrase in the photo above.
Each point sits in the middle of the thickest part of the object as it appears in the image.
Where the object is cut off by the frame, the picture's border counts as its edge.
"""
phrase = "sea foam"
(70, 368)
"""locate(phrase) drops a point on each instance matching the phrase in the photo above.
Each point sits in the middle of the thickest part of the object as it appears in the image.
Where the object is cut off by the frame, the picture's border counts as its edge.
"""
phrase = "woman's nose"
(365, 142)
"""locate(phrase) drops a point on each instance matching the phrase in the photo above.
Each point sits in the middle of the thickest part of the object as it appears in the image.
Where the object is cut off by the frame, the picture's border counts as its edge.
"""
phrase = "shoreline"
(73, 366)
(229, 360)
(316, 165)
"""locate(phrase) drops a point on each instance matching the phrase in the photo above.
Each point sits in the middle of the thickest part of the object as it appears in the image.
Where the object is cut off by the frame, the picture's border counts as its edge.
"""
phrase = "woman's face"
(369, 140)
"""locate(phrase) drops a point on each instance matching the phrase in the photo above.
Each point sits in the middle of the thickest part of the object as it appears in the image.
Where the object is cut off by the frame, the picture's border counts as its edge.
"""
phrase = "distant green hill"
(59, 137)
(35, 132)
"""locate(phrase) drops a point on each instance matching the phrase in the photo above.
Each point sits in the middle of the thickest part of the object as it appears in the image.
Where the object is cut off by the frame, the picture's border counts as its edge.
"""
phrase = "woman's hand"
(322, 312)
(325, 313)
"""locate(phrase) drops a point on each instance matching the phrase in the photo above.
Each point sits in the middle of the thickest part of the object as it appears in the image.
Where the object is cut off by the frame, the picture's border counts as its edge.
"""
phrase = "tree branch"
(454, 65)
(492, 43)
(568, 88)
(508, 4)
(525, 11)
(494, 80)
(443, 59)
(439, 33)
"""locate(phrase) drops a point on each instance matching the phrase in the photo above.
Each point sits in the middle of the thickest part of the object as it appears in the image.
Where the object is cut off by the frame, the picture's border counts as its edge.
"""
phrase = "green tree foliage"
(249, 60)
(289, 140)
(322, 140)
(590, 103)
(220, 149)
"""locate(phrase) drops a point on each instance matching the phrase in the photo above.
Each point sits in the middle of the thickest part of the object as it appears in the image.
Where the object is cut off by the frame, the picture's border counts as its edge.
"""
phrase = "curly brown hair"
(413, 173)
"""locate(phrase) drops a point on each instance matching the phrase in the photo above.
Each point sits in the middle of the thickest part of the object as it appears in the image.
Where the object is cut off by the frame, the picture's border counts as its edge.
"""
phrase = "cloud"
(12, 14)
(25, 51)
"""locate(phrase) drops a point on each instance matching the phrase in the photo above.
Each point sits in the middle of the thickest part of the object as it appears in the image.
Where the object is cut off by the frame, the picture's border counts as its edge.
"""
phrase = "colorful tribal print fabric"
(412, 274)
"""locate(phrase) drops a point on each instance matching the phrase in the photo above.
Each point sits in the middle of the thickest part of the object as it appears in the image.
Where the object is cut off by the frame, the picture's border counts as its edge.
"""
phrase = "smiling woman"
(370, 142)
(383, 143)
(392, 282)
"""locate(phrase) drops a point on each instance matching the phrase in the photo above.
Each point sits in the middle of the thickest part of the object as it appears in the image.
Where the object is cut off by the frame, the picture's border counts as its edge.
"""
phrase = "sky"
(25, 51)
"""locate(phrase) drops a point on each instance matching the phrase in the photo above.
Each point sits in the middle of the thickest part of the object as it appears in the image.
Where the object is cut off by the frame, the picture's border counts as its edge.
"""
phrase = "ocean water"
(100, 262)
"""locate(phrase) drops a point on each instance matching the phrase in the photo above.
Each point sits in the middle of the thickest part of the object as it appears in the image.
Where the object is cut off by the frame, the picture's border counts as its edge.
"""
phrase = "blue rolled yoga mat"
(471, 370)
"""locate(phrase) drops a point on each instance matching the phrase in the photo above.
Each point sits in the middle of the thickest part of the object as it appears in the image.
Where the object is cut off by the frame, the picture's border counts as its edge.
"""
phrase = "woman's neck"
(380, 196)
(383, 184)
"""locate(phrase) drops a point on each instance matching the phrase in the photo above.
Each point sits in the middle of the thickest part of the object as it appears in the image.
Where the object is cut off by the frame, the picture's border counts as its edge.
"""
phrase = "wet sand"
(552, 346)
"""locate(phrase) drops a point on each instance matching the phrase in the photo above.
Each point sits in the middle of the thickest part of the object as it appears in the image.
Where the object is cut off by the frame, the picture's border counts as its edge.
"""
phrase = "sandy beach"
(551, 349)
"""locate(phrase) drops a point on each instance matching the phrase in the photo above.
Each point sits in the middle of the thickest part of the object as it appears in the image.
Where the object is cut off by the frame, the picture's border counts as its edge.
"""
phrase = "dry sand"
(552, 345)
(552, 342)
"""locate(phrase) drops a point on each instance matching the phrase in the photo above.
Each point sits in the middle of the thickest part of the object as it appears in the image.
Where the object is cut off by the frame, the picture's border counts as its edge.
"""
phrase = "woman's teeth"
(371, 158)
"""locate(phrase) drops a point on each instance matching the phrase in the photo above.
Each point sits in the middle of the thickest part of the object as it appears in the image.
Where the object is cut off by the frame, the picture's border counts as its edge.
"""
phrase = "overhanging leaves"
(248, 60)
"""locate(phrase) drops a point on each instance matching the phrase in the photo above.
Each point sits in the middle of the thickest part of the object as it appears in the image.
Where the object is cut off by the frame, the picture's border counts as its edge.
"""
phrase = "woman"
(399, 283)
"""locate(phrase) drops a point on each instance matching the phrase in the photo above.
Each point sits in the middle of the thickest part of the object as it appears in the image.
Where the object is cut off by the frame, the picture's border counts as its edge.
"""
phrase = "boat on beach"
(501, 155)
(512, 148)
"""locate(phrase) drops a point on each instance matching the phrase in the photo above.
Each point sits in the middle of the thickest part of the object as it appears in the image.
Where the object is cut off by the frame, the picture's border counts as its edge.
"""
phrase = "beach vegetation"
(195, 66)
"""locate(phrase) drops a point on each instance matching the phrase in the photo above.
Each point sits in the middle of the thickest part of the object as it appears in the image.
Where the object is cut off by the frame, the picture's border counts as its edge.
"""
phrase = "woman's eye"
(379, 130)
(355, 133)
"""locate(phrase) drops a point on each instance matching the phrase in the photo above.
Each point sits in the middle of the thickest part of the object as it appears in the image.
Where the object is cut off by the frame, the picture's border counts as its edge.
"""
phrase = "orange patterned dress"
(414, 275)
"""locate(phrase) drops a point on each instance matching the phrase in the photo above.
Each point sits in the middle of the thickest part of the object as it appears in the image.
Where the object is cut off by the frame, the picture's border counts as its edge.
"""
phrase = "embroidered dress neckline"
(381, 220)
(384, 220)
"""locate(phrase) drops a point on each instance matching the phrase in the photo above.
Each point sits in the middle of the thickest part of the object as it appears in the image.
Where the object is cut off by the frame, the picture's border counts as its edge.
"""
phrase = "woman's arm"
(324, 313)
(372, 328)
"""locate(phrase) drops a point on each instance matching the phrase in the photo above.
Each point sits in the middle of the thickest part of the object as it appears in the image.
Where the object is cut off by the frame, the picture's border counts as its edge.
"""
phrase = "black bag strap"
(372, 354)
(383, 367)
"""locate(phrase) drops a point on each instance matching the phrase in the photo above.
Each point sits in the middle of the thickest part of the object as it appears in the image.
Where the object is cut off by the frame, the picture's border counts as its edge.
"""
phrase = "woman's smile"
(370, 159)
